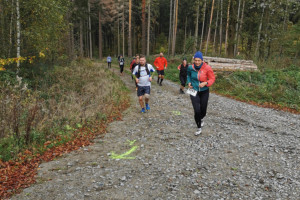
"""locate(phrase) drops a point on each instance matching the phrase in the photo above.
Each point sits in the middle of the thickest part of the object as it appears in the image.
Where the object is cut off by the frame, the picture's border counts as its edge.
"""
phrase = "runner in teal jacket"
(200, 77)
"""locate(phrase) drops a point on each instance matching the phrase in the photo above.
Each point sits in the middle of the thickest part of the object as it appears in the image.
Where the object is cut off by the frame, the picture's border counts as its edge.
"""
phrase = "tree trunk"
(123, 28)
(143, 27)
(203, 25)
(197, 25)
(227, 27)
(100, 34)
(237, 29)
(148, 31)
(90, 30)
(284, 25)
(241, 26)
(18, 36)
(259, 32)
(184, 45)
(170, 29)
(209, 28)
(81, 38)
(221, 19)
(175, 27)
(118, 34)
(129, 31)
(10, 29)
(216, 27)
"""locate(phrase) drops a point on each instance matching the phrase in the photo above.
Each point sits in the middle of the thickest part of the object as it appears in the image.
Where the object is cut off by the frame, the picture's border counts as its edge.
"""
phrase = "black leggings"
(121, 68)
(182, 79)
(200, 105)
(109, 64)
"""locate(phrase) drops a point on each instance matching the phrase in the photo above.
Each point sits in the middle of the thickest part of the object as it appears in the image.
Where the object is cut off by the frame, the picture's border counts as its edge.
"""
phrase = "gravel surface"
(244, 152)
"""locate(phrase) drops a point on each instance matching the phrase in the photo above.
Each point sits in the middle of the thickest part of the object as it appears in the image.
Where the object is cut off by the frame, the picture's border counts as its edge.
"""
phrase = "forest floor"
(244, 152)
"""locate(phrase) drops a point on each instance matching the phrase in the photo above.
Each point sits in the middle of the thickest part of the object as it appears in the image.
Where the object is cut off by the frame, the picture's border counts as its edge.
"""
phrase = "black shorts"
(143, 90)
(161, 72)
(182, 79)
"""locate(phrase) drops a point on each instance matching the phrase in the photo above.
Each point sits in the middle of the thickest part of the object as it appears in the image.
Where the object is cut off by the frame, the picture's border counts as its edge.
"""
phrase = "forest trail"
(244, 152)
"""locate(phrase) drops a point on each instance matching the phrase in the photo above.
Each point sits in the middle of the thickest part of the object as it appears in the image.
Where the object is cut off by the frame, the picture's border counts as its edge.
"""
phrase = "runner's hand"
(137, 80)
(190, 85)
(203, 84)
(150, 79)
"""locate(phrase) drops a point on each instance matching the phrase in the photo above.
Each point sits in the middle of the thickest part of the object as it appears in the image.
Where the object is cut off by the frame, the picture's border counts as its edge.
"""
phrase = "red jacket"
(160, 63)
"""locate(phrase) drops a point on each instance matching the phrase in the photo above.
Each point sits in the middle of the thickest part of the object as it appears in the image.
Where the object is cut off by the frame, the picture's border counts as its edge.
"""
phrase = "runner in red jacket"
(161, 64)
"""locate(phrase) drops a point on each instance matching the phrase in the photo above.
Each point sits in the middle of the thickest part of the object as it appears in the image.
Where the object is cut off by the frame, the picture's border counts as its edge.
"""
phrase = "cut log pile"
(226, 64)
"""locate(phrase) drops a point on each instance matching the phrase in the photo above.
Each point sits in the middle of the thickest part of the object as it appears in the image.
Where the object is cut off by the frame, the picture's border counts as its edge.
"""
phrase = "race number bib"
(191, 92)
(143, 73)
(121, 63)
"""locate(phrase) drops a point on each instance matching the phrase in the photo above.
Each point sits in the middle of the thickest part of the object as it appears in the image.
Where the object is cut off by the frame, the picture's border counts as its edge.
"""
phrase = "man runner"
(108, 61)
(143, 74)
(161, 64)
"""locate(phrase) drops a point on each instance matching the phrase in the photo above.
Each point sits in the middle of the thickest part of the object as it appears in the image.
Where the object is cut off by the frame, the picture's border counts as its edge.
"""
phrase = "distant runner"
(143, 73)
(121, 63)
(133, 64)
(200, 76)
(108, 61)
(183, 74)
(161, 64)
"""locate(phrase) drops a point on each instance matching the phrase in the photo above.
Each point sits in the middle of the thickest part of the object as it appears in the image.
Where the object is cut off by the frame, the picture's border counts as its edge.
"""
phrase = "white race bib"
(191, 92)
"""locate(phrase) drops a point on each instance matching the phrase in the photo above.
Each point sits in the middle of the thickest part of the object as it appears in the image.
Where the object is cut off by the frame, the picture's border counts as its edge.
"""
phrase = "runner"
(108, 61)
(121, 63)
(200, 76)
(143, 74)
(183, 74)
(161, 64)
(134, 64)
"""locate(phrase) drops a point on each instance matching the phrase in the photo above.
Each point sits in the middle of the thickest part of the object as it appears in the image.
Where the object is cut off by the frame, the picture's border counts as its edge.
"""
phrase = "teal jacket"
(204, 74)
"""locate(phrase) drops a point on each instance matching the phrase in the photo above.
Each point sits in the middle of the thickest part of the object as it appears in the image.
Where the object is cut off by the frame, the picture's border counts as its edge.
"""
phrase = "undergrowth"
(51, 102)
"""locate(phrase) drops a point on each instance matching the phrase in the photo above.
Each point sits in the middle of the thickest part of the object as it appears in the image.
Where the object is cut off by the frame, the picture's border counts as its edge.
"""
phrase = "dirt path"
(244, 152)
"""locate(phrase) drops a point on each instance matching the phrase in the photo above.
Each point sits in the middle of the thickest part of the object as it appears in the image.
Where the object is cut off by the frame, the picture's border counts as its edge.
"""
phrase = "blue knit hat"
(198, 54)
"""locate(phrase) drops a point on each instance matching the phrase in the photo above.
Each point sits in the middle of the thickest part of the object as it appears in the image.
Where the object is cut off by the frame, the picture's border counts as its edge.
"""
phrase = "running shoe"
(181, 91)
(143, 110)
(147, 107)
(160, 84)
(198, 132)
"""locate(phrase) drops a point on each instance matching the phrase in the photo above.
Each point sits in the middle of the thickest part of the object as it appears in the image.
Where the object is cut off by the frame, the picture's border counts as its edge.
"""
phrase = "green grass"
(279, 86)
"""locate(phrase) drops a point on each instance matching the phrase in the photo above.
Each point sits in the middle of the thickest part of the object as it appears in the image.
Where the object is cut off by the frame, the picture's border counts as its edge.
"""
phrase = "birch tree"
(203, 25)
(209, 28)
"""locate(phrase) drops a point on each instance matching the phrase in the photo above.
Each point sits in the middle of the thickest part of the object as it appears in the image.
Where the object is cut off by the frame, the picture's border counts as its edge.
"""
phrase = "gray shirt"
(144, 77)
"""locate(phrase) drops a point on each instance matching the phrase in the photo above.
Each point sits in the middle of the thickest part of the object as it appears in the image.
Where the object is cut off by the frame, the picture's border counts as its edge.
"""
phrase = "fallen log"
(227, 64)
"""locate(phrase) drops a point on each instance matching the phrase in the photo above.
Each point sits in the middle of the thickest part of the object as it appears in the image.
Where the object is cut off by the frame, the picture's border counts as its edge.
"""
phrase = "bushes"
(44, 106)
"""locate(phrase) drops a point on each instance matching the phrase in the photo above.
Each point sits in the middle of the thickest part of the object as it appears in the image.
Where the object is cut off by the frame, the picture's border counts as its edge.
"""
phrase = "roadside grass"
(276, 84)
(49, 106)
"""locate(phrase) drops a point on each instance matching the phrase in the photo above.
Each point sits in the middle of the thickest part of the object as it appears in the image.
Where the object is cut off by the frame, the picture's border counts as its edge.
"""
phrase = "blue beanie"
(198, 54)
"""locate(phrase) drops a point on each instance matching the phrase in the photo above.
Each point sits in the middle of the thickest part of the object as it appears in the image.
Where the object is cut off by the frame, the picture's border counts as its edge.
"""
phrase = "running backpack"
(139, 70)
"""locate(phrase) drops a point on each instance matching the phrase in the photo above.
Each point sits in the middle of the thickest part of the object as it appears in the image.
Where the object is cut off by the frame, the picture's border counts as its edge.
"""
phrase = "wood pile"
(226, 64)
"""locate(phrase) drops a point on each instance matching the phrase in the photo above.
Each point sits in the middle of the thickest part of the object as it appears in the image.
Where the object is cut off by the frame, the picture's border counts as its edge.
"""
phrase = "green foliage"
(62, 99)
(280, 86)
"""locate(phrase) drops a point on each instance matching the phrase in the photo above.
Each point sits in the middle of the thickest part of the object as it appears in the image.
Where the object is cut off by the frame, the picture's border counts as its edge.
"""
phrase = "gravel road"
(244, 152)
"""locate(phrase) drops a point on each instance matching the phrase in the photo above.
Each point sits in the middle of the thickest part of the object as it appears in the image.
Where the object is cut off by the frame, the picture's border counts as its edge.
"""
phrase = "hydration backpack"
(139, 70)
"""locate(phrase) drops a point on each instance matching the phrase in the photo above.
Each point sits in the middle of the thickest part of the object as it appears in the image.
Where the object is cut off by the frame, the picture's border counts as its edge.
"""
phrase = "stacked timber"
(226, 64)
